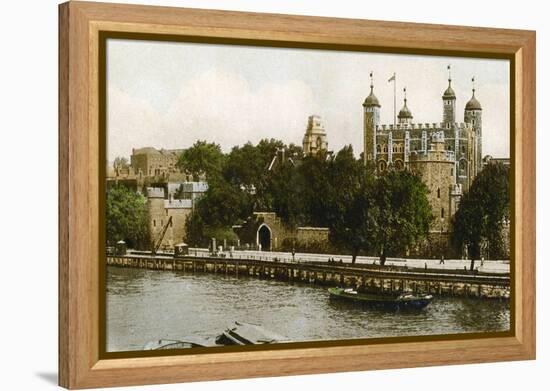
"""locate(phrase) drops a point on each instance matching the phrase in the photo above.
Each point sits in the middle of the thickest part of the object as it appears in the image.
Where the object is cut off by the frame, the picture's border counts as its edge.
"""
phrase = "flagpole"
(394, 100)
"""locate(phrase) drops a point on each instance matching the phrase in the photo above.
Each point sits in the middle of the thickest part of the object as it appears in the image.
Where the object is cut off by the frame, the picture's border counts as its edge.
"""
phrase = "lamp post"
(441, 239)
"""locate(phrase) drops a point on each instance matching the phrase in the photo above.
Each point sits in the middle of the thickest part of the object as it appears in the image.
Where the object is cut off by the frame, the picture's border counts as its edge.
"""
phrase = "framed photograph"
(246, 195)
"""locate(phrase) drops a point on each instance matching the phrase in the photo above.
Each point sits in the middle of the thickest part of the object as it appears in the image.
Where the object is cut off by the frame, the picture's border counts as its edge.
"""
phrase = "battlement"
(195, 187)
(423, 126)
(178, 204)
(155, 192)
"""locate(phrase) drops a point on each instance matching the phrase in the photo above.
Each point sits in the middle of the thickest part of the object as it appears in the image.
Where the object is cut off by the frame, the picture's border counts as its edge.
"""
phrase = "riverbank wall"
(367, 280)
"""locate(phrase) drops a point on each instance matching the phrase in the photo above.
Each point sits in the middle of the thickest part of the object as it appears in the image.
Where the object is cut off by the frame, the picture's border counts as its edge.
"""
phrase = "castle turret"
(315, 138)
(449, 102)
(472, 115)
(405, 115)
(371, 115)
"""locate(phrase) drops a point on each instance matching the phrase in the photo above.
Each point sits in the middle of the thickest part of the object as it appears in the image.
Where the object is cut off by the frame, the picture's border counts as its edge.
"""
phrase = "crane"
(156, 245)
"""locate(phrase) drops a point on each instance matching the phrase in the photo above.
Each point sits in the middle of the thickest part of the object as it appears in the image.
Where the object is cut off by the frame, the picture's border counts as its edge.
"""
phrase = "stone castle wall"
(159, 212)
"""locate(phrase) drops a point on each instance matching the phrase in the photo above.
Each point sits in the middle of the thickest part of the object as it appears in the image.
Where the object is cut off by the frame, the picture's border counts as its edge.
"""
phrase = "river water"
(145, 305)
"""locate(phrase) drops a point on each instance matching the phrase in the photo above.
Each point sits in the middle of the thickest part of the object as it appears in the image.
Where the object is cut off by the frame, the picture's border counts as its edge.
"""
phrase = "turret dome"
(449, 92)
(371, 100)
(405, 112)
(473, 103)
(405, 116)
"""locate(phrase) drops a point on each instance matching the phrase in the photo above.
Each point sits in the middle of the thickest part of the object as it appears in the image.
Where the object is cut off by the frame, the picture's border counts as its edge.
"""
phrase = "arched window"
(319, 142)
(438, 192)
(382, 165)
(378, 149)
(462, 167)
(442, 213)
(385, 148)
(463, 149)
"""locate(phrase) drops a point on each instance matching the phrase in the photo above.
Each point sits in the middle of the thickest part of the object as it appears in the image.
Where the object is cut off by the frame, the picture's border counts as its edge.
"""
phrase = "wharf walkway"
(370, 278)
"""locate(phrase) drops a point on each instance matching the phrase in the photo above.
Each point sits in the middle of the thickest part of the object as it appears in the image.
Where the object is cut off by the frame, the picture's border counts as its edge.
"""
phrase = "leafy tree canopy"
(126, 217)
(482, 211)
(402, 213)
(121, 162)
(202, 159)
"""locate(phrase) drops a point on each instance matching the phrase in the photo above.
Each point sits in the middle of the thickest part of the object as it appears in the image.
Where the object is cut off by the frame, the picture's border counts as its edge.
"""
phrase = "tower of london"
(447, 154)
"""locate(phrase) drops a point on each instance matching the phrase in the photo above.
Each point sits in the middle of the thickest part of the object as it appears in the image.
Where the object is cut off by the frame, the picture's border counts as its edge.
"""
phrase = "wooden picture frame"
(81, 364)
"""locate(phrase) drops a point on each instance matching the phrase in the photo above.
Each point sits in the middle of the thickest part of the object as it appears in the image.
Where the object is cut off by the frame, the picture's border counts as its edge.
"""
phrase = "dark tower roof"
(371, 100)
(473, 103)
(449, 92)
(405, 112)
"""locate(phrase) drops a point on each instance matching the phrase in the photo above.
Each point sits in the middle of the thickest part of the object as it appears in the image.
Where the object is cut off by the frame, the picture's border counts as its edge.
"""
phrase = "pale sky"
(168, 95)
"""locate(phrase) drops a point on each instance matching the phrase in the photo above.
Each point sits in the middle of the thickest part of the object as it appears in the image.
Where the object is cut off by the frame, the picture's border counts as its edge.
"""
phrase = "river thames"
(145, 305)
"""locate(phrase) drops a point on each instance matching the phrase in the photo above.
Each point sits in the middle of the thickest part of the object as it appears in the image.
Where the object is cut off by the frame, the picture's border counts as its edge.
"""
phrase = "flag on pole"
(392, 78)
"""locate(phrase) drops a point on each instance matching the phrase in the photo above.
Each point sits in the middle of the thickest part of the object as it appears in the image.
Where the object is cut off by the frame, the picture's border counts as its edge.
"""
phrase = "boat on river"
(188, 342)
(249, 334)
(405, 300)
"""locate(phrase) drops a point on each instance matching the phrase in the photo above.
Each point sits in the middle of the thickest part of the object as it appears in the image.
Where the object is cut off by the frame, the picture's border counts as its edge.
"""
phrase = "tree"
(353, 227)
(268, 148)
(223, 204)
(402, 213)
(285, 194)
(202, 159)
(482, 211)
(195, 230)
(126, 217)
(349, 206)
(120, 162)
(245, 166)
(316, 189)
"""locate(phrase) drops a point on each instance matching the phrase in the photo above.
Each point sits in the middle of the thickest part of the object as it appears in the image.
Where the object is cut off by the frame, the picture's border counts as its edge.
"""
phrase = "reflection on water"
(144, 305)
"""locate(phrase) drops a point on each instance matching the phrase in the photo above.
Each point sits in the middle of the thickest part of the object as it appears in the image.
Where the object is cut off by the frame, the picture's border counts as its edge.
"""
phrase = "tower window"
(154, 223)
(442, 213)
(438, 193)
(378, 149)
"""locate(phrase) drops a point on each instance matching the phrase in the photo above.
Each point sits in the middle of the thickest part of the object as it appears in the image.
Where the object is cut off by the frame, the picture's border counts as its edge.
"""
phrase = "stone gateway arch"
(264, 237)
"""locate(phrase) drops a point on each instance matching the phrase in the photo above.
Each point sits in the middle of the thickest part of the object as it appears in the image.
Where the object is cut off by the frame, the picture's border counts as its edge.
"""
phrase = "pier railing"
(368, 279)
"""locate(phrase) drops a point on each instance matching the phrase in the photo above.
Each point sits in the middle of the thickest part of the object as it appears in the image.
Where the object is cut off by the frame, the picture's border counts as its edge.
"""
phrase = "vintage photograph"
(263, 195)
